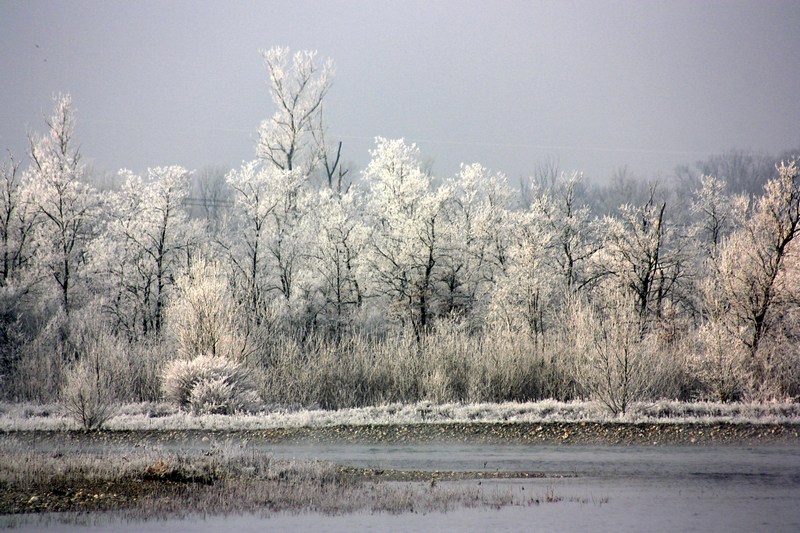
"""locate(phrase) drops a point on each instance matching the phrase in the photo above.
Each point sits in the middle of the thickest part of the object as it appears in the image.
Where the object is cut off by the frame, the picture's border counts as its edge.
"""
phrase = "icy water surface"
(604, 488)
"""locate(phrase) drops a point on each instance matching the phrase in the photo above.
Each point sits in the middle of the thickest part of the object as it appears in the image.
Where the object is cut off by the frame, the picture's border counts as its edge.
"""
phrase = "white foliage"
(17, 220)
(574, 241)
(298, 86)
(274, 233)
(717, 213)
(756, 284)
(338, 240)
(640, 256)
(523, 291)
(209, 385)
(477, 235)
(203, 317)
(617, 363)
(406, 215)
(68, 206)
(145, 244)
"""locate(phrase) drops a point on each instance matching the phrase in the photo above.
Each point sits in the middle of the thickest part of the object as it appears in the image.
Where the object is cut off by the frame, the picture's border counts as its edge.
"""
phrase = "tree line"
(295, 280)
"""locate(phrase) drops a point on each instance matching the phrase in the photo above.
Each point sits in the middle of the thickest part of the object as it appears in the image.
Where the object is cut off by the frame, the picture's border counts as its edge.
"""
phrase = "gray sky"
(592, 84)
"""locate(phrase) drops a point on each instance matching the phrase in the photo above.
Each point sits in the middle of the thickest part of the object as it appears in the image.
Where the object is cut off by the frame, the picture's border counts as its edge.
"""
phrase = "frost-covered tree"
(286, 240)
(254, 204)
(272, 206)
(298, 86)
(68, 206)
(336, 252)
(476, 234)
(716, 214)
(272, 194)
(523, 292)
(639, 257)
(17, 220)
(407, 216)
(719, 360)
(145, 246)
(204, 318)
(756, 268)
(575, 239)
(616, 364)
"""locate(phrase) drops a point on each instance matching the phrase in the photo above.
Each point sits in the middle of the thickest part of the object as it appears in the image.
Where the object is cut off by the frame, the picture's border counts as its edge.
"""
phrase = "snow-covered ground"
(160, 416)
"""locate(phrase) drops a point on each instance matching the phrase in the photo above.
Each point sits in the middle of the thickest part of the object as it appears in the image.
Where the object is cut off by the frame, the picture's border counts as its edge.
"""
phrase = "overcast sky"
(592, 84)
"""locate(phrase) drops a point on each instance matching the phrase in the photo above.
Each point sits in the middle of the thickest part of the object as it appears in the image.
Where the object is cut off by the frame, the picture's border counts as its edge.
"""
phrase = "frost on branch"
(144, 245)
(204, 318)
(298, 86)
(68, 206)
(209, 375)
(408, 217)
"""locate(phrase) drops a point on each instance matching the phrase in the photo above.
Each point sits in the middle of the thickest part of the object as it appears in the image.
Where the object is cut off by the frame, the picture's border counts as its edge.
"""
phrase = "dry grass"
(162, 416)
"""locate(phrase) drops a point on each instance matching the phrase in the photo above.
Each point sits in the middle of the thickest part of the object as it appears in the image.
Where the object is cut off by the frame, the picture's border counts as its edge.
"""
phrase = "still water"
(600, 488)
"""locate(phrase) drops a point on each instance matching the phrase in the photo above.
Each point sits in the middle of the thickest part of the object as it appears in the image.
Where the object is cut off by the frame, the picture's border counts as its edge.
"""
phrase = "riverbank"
(559, 433)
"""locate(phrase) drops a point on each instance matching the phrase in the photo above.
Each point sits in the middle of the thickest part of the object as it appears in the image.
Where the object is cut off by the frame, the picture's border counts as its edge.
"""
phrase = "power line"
(207, 202)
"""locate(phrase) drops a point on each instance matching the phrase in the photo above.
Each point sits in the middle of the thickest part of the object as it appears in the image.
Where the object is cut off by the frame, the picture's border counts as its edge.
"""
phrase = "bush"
(209, 385)
(202, 316)
(96, 373)
(89, 394)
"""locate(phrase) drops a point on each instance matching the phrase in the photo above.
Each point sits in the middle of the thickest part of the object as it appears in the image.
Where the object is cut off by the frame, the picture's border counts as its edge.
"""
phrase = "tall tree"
(716, 214)
(298, 86)
(476, 234)
(407, 216)
(17, 220)
(68, 206)
(337, 242)
(753, 270)
(640, 258)
(575, 239)
(146, 238)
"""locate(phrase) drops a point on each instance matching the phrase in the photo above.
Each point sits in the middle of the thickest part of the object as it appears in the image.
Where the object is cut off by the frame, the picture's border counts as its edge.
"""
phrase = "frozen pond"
(604, 488)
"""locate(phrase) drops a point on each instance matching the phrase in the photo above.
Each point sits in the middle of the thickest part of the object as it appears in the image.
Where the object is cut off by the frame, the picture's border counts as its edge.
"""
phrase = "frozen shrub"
(202, 316)
(89, 394)
(212, 396)
(96, 369)
(209, 384)
(218, 396)
(618, 363)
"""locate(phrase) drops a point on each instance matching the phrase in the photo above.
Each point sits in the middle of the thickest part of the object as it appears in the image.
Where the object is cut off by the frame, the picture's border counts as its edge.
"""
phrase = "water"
(604, 488)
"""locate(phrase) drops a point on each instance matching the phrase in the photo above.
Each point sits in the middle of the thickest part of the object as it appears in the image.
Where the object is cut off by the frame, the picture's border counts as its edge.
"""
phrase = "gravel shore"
(562, 433)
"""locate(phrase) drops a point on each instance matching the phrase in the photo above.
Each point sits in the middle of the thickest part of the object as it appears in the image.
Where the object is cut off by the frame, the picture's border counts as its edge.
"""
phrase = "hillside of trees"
(296, 280)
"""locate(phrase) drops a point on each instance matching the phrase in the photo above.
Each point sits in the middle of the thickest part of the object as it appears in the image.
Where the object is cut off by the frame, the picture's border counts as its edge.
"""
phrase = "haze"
(591, 85)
